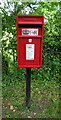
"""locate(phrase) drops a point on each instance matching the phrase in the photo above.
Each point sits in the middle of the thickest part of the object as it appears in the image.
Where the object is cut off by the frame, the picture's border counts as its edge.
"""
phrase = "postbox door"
(29, 51)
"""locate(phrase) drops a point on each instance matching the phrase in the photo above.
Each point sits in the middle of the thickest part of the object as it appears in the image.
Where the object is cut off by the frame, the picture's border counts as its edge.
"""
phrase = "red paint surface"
(26, 22)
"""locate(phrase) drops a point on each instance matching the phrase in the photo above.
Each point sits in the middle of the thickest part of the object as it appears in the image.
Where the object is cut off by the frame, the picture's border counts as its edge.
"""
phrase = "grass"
(44, 99)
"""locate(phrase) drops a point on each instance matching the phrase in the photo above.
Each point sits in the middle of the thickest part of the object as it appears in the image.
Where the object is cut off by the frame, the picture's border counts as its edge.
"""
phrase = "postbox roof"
(31, 15)
(30, 19)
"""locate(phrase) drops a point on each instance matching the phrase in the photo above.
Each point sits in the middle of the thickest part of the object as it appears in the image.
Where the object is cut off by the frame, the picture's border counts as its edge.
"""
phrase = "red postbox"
(29, 33)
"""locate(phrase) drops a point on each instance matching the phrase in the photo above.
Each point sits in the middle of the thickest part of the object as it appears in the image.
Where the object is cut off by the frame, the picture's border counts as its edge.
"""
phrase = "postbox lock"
(29, 40)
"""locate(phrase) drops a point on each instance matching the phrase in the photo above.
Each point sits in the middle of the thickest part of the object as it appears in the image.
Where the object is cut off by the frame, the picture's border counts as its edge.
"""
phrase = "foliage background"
(45, 88)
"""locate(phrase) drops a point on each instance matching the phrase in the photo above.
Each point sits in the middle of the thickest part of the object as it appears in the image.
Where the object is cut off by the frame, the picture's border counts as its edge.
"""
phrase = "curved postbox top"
(30, 19)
